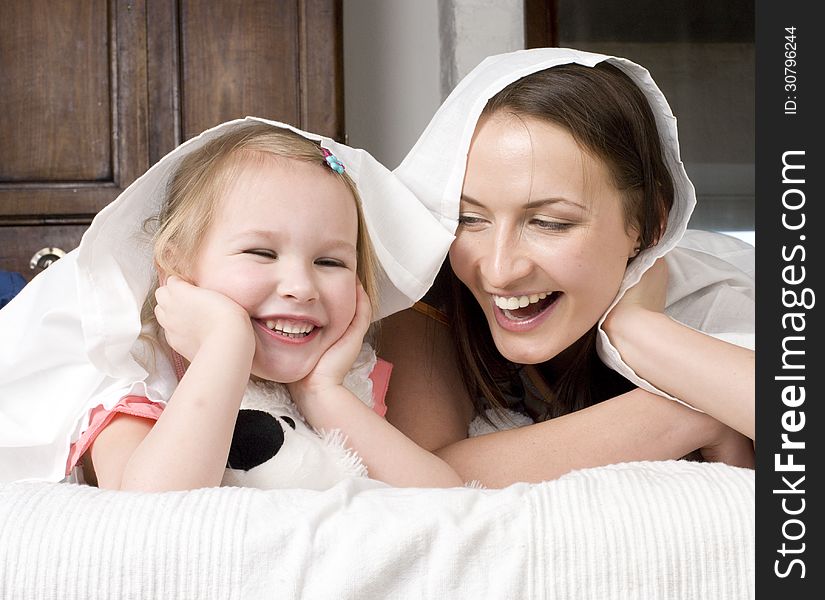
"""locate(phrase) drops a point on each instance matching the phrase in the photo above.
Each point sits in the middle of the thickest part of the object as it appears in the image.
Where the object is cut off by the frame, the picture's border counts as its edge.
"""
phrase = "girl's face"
(283, 246)
(542, 242)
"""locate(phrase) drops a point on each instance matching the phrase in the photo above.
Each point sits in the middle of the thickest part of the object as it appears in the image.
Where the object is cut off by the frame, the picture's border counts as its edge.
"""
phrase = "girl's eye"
(330, 262)
(551, 225)
(262, 252)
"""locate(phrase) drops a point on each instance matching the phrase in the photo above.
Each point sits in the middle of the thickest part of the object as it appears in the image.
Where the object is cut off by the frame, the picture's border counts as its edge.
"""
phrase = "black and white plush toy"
(274, 447)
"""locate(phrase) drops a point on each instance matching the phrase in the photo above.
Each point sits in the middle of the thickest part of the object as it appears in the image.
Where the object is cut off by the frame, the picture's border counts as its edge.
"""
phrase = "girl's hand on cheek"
(336, 362)
(191, 315)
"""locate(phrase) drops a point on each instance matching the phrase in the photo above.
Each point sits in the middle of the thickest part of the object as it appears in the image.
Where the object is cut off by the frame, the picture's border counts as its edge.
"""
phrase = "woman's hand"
(649, 294)
(336, 362)
(190, 314)
(704, 372)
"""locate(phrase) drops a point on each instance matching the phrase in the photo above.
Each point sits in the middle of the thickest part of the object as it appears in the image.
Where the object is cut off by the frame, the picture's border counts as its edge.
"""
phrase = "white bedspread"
(650, 530)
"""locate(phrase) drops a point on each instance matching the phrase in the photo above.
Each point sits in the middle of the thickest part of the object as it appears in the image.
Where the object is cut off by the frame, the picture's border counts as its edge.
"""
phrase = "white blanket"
(664, 530)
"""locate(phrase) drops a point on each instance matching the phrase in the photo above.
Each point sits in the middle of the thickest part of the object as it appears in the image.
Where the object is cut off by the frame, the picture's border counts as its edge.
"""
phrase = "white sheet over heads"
(711, 285)
(69, 339)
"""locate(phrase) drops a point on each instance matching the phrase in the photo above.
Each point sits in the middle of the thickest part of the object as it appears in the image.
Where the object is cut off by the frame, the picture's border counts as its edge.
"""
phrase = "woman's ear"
(636, 237)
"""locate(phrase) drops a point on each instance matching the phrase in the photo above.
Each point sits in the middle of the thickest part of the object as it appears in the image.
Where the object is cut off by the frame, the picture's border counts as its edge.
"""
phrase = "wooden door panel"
(163, 77)
(238, 58)
(55, 82)
(210, 62)
(322, 67)
(73, 106)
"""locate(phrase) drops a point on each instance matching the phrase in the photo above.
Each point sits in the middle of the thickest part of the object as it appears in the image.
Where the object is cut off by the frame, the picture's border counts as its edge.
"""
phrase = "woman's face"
(542, 242)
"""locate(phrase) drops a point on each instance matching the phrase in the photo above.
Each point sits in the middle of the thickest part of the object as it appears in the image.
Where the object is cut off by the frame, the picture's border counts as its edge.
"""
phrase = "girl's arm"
(709, 374)
(389, 455)
(428, 402)
(188, 446)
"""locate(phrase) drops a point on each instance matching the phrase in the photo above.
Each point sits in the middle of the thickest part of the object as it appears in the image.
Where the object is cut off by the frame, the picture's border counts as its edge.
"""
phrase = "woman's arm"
(188, 446)
(709, 374)
(635, 426)
(389, 455)
(427, 401)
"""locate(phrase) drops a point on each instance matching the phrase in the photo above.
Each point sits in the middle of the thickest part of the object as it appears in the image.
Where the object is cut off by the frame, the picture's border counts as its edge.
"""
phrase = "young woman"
(559, 172)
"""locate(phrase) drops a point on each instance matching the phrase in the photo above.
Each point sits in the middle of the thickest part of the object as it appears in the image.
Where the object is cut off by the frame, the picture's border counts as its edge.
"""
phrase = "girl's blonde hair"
(201, 180)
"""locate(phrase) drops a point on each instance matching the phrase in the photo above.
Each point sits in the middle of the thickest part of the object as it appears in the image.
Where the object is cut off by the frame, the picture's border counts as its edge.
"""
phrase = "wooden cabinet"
(93, 92)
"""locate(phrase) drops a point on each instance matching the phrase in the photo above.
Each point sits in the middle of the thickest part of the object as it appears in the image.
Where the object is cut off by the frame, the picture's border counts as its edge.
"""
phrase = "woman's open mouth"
(522, 313)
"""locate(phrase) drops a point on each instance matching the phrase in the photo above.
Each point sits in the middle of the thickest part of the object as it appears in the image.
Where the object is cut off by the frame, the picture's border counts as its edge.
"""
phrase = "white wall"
(402, 58)
(471, 30)
(391, 74)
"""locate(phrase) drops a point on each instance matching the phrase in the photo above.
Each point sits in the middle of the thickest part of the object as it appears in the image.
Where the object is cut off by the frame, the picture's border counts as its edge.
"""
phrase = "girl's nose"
(297, 282)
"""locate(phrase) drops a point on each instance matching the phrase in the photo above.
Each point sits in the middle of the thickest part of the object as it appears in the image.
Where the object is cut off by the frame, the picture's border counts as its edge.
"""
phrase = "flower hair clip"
(333, 161)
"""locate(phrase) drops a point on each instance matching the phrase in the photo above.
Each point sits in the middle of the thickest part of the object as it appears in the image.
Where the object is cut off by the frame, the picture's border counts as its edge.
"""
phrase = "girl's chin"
(281, 375)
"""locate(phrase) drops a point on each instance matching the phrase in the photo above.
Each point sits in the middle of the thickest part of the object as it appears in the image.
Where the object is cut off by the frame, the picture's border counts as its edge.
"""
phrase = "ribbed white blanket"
(650, 530)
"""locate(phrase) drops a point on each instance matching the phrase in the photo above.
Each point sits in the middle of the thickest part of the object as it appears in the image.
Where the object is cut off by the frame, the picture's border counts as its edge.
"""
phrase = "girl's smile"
(288, 331)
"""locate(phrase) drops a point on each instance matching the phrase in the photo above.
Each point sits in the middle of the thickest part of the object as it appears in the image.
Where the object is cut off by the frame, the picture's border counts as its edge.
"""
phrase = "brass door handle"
(44, 257)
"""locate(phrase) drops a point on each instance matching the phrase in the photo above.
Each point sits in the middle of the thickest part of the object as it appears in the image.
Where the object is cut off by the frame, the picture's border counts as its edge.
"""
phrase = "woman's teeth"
(514, 302)
(291, 329)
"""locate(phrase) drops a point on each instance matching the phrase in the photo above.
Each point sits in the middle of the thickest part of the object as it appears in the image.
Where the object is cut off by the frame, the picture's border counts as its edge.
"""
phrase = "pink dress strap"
(99, 418)
(380, 377)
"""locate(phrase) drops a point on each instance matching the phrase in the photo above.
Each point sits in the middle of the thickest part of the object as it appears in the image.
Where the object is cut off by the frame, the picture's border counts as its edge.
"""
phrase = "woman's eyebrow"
(555, 200)
(470, 200)
(532, 204)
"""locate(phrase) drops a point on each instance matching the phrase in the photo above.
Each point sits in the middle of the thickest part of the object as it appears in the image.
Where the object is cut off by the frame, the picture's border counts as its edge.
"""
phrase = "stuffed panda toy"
(274, 447)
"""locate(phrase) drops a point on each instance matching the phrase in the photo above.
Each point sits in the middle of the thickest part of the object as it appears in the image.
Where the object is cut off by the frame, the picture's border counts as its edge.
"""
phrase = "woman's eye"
(262, 252)
(551, 225)
(469, 220)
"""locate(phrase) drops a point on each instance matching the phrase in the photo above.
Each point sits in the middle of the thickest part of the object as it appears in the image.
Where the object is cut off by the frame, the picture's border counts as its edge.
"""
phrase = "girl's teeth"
(289, 327)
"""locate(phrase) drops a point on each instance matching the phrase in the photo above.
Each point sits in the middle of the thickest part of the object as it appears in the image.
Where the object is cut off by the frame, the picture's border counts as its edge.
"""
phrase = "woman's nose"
(506, 261)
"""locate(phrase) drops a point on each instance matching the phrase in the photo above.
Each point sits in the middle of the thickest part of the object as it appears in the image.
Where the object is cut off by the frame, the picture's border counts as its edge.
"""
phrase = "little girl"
(263, 272)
